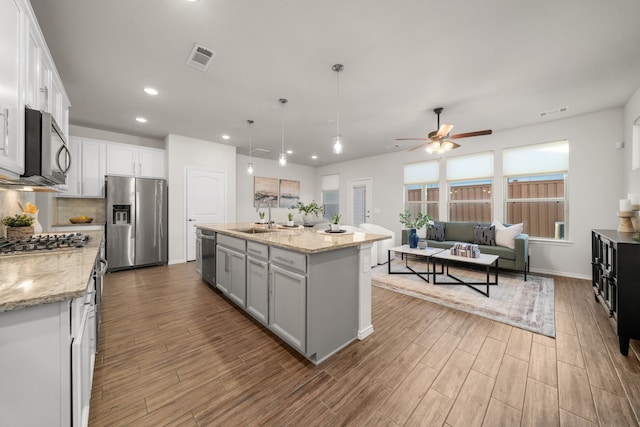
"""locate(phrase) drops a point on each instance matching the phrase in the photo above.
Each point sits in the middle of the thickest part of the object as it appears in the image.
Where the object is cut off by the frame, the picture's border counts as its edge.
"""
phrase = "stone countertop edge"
(305, 240)
(44, 277)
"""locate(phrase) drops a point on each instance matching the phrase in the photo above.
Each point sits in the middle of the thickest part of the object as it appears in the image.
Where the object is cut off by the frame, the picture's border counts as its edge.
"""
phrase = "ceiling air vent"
(260, 151)
(553, 112)
(200, 57)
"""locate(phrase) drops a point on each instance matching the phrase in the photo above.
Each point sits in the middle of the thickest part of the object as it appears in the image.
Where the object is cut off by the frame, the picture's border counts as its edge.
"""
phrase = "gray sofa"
(511, 259)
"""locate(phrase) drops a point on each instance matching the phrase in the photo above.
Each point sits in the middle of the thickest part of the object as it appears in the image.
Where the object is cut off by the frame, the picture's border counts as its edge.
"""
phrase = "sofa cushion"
(483, 235)
(459, 231)
(506, 236)
(436, 232)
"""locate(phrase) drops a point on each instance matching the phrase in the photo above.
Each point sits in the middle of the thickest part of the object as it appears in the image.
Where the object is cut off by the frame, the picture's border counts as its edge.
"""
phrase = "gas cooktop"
(42, 243)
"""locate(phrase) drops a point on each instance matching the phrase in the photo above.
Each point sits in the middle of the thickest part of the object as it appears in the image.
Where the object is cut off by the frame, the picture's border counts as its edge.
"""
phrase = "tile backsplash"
(68, 208)
(9, 204)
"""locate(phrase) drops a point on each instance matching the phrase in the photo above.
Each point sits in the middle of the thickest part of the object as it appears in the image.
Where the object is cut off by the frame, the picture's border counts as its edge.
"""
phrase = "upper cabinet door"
(93, 166)
(151, 163)
(11, 109)
(121, 159)
(32, 82)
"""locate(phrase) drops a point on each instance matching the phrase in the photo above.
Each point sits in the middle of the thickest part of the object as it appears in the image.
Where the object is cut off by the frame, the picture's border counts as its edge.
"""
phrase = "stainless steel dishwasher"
(206, 262)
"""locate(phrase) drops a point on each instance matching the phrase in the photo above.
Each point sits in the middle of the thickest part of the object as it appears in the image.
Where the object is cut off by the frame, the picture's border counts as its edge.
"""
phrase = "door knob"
(191, 219)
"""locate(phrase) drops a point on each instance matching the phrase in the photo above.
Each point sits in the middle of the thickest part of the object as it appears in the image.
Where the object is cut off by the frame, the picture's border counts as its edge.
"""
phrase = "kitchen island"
(49, 318)
(309, 287)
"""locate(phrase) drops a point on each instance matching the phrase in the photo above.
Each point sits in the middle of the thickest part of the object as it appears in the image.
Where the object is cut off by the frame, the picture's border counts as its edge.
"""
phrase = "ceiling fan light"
(337, 145)
(429, 149)
(448, 145)
(250, 169)
(436, 146)
(283, 159)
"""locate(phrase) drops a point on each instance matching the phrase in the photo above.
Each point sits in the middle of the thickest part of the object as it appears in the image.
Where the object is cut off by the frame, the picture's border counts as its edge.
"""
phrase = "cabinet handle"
(255, 251)
(226, 262)
(284, 260)
(45, 90)
(5, 137)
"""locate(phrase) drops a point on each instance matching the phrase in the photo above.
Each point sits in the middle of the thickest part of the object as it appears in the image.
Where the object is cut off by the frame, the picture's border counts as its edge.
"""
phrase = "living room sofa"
(516, 259)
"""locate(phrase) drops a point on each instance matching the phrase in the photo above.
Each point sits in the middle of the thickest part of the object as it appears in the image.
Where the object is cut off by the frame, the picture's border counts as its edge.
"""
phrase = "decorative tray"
(335, 232)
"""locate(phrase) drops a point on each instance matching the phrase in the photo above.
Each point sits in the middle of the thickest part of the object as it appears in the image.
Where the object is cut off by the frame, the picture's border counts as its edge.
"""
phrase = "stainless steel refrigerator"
(136, 230)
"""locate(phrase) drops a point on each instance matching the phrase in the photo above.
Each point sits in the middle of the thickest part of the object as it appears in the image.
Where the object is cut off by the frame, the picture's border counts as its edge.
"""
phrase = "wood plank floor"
(174, 352)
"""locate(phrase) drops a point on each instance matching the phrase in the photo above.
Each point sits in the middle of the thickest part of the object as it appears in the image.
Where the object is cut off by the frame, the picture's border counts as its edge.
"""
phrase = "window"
(470, 181)
(536, 178)
(422, 191)
(330, 203)
(330, 195)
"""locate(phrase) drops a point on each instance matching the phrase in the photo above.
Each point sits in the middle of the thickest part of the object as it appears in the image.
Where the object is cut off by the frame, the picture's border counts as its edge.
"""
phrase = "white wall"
(631, 113)
(595, 183)
(271, 169)
(181, 153)
(85, 132)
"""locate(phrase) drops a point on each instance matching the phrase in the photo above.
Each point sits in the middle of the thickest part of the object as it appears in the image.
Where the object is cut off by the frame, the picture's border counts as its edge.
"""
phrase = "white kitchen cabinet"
(121, 159)
(93, 164)
(258, 281)
(151, 163)
(12, 57)
(32, 82)
(74, 174)
(131, 160)
(47, 353)
(88, 164)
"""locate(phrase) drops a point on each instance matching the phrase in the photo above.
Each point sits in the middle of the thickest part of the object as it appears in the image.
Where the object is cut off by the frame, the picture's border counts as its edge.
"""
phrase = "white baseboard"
(560, 273)
(177, 261)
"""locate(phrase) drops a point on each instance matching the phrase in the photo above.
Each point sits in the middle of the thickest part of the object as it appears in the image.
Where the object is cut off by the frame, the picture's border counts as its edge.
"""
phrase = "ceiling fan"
(440, 141)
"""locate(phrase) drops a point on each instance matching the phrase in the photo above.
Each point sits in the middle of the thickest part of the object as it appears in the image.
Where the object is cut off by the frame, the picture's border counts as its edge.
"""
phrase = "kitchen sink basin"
(254, 230)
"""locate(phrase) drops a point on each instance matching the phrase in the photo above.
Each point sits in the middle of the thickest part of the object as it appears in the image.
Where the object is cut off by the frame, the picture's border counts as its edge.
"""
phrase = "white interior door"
(360, 200)
(205, 204)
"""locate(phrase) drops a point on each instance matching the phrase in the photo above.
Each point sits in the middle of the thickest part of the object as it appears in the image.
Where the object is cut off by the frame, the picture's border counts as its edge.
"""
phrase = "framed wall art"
(289, 193)
(265, 190)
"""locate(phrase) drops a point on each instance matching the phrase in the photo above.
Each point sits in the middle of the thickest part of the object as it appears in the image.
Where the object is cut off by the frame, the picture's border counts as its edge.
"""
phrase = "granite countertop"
(305, 240)
(44, 277)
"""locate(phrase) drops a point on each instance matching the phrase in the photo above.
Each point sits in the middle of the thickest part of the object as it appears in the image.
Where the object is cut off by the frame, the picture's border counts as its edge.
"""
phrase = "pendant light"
(250, 165)
(337, 140)
(283, 154)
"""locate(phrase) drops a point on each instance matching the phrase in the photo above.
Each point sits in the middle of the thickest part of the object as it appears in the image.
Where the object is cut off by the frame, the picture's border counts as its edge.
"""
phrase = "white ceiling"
(493, 64)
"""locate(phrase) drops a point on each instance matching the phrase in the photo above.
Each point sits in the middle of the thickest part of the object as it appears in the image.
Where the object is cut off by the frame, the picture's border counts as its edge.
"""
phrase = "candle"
(634, 197)
(625, 205)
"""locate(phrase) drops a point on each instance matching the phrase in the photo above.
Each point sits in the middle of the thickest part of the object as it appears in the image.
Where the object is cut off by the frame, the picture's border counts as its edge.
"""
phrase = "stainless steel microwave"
(46, 155)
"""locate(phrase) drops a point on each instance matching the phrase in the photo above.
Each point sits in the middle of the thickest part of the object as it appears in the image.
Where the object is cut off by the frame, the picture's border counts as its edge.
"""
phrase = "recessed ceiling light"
(151, 91)
(289, 151)
(314, 157)
(192, 1)
(141, 120)
(226, 137)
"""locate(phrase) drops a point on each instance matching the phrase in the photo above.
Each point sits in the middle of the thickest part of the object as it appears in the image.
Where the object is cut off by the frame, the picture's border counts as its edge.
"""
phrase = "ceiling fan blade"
(411, 139)
(444, 130)
(419, 146)
(468, 134)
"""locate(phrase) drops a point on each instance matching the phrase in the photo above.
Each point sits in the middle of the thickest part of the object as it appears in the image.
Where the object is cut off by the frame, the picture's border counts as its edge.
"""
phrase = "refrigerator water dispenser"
(121, 214)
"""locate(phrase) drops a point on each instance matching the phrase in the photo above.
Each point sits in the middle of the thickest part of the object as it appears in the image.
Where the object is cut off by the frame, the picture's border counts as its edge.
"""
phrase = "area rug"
(527, 305)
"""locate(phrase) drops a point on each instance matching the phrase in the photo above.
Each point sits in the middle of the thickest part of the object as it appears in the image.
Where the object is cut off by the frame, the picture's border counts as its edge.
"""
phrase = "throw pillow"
(436, 232)
(506, 236)
(484, 235)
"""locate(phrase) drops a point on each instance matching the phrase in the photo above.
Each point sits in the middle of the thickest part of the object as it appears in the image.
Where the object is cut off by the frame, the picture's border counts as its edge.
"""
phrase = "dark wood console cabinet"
(615, 260)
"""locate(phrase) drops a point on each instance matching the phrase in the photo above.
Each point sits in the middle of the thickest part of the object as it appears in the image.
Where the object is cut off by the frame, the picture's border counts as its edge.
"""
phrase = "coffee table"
(426, 253)
(485, 260)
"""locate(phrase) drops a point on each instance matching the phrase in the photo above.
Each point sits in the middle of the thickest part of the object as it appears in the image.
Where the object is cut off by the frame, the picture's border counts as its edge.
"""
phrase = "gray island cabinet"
(310, 289)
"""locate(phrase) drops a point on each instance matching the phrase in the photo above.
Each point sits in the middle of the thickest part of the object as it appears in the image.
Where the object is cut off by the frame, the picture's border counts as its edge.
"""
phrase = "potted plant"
(335, 222)
(412, 224)
(262, 220)
(290, 221)
(19, 225)
(308, 211)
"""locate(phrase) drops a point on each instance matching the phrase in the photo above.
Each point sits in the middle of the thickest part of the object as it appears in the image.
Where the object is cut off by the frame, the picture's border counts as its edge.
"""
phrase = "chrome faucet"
(269, 224)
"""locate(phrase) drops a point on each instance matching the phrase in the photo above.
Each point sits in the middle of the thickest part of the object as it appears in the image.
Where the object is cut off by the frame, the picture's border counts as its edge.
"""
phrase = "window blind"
(330, 182)
(472, 166)
(549, 157)
(415, 173)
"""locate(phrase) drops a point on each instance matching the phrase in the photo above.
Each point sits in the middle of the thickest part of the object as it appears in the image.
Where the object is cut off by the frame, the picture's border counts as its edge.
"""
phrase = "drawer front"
(239, 245)
(257, 250)
(289, 260)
